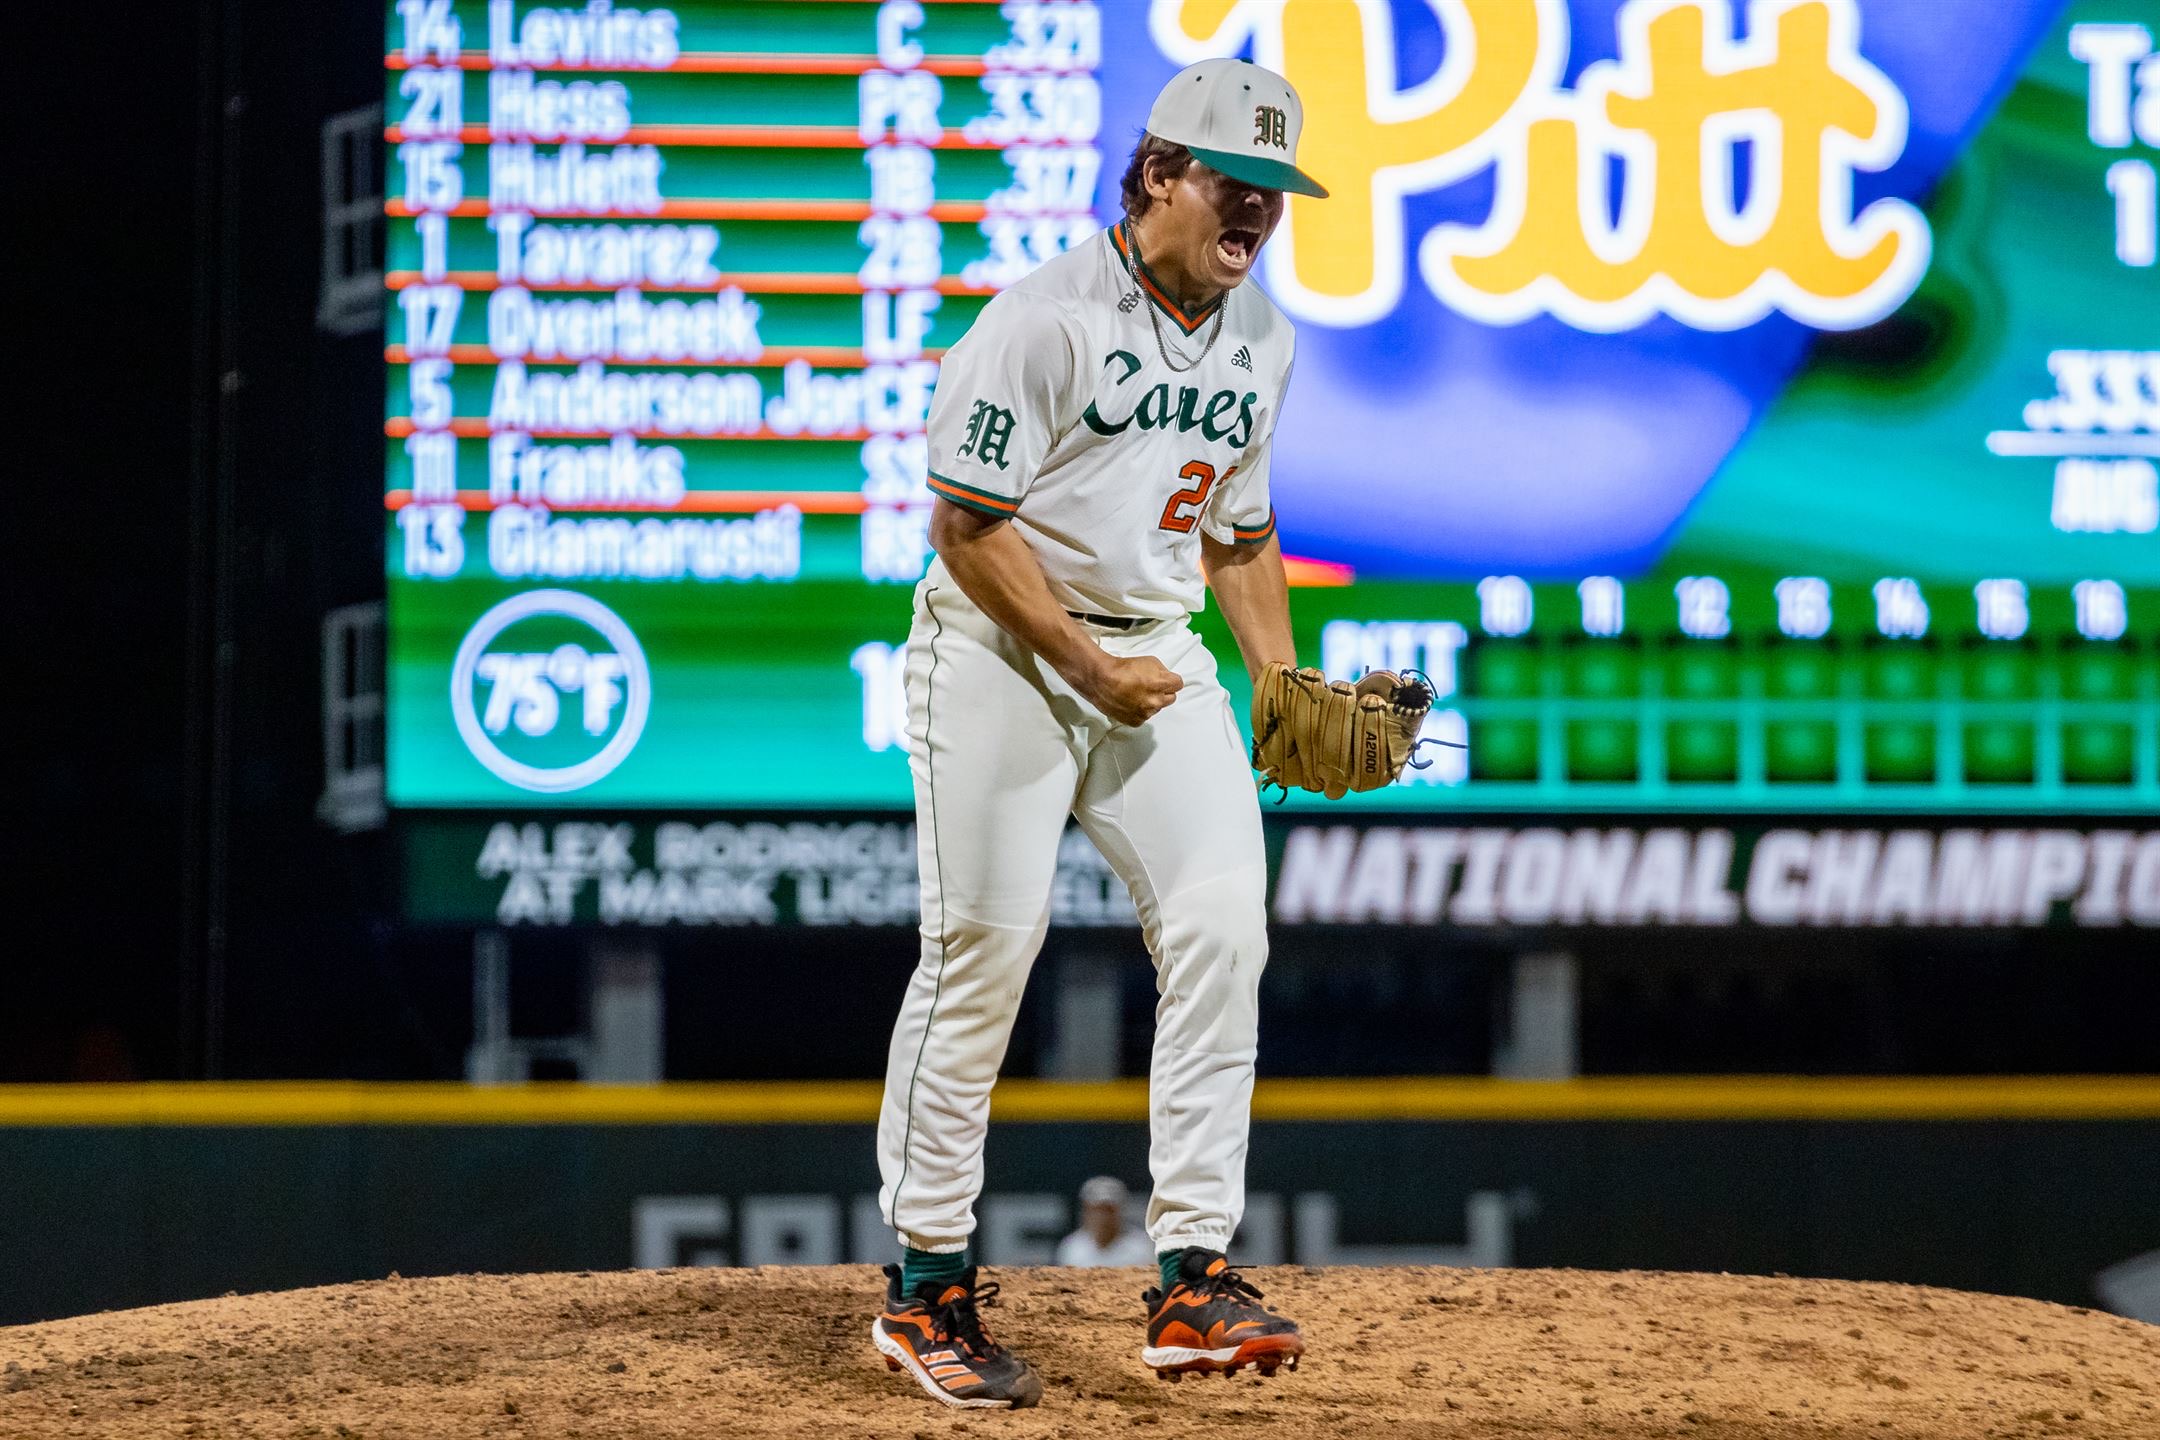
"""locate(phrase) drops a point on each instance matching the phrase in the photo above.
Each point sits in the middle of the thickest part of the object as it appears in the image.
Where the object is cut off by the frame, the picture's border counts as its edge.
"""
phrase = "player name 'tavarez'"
(623, 179)
(602, 36)
(536, 253)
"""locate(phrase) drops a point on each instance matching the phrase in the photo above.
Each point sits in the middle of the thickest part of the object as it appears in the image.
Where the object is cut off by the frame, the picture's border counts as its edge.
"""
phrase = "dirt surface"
(1404, 1354)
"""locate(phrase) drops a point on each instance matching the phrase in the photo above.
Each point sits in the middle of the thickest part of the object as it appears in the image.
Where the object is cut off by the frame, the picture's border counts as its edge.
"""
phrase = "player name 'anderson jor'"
(1099, 446)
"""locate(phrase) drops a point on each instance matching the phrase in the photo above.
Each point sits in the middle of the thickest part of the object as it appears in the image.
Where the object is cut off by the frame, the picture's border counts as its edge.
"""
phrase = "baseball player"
(1099, 454)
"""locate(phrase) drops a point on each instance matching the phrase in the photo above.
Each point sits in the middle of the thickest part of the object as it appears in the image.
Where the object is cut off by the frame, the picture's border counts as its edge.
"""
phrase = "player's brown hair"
(1174, 159)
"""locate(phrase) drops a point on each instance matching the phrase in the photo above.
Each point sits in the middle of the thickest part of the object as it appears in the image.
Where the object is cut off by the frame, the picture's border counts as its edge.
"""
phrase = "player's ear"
(1156, 175)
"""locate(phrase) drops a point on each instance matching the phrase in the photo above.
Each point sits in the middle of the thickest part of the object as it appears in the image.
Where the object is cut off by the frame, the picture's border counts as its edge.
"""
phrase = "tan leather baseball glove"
(1309, 734)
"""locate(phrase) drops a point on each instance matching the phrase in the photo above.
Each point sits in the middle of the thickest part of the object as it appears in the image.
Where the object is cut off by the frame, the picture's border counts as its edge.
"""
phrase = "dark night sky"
(103, 254)
(108, 261)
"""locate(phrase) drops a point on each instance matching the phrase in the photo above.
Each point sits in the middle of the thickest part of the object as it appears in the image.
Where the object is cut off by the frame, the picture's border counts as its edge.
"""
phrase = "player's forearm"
(998, 571)
(1253, 592)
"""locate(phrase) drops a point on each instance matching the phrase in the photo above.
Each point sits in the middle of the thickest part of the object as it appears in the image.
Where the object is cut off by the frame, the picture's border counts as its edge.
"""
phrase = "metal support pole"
(213, 644)
(1539, 1032)
(627, 1021)
(494, 1059)
(1087, 1009)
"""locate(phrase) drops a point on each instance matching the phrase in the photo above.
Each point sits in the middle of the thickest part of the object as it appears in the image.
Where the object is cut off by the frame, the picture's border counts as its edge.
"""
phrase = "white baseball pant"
(1002, 751)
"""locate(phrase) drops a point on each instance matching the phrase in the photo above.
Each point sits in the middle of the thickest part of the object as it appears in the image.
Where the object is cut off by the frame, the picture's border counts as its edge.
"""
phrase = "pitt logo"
(1269, 127)
(989, 427)
(1668, 113)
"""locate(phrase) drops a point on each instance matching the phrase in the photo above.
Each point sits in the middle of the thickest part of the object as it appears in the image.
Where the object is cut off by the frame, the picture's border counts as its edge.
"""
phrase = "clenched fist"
(1129, 689)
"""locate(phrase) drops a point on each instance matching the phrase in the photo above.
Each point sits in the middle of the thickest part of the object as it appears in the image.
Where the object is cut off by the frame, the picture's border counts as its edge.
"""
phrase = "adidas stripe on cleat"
(1212, 1321)
(936, 1336)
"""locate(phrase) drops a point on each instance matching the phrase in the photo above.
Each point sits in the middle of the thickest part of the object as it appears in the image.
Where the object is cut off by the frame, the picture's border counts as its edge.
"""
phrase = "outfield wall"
(129, 1195)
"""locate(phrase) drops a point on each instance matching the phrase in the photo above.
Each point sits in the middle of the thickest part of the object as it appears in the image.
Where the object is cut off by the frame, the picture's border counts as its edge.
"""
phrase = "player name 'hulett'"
(621, 180)
(1669, 876)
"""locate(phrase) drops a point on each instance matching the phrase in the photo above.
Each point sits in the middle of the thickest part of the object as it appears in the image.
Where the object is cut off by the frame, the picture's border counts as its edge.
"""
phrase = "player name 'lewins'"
(600, 36)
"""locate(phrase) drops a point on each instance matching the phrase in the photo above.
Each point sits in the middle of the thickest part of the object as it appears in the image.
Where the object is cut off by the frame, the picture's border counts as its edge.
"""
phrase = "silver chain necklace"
(1155, 321)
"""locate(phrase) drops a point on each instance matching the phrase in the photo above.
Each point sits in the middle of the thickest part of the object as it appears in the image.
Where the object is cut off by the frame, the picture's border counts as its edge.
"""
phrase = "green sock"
(1169, 1261)
(920, 1267)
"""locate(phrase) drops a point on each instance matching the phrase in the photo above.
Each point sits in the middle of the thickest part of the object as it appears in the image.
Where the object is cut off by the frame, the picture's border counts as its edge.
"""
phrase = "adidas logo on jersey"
(1243, 359)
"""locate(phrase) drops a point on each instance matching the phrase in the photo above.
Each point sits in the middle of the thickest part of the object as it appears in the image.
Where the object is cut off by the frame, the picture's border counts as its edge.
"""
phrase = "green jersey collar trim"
(1129, 253)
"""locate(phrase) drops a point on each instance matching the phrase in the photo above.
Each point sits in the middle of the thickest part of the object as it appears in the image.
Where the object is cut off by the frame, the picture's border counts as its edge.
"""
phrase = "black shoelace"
(959, 1318)
(1227, 1284)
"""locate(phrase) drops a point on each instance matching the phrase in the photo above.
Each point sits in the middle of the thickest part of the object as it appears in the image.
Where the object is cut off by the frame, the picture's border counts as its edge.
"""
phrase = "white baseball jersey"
(1059, 410)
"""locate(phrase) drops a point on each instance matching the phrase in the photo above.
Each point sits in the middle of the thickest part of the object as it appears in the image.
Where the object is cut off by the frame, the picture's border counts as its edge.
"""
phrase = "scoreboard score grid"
(667, 291)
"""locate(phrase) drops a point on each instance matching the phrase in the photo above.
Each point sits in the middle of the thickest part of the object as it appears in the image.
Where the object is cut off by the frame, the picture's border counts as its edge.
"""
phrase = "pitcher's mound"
(1392, 1353)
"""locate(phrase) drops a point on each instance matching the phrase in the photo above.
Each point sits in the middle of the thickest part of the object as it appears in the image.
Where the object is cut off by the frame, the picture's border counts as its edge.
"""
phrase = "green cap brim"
(1258, 170)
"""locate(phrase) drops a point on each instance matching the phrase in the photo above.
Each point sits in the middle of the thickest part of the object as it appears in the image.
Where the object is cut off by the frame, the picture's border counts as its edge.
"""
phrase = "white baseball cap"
(1237, 118)
(1103, 1190)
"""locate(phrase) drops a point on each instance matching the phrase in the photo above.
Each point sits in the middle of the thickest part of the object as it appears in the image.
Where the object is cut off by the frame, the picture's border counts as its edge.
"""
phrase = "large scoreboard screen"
(1732, 407)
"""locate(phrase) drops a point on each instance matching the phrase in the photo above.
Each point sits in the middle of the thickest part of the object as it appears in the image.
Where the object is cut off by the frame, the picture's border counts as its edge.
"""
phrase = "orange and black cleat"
(936, 1335)
(1212, 1321)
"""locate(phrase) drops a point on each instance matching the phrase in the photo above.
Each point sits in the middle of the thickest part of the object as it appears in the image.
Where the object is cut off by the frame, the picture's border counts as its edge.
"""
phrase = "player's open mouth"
(1237, 247)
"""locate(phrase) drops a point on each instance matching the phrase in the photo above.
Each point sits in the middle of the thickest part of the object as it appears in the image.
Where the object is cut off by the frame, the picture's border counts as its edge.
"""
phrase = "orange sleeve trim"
(981, 501)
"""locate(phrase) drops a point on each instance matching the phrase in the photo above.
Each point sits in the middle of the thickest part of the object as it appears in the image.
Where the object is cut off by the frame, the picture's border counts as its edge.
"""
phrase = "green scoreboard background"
(667, 290)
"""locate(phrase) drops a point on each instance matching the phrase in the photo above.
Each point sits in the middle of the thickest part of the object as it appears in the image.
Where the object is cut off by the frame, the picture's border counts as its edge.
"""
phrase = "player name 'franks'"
(620, 473)
(623, 179)
(598, 37)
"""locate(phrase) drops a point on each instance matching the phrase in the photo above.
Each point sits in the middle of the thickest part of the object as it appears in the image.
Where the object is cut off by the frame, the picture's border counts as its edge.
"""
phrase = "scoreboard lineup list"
(640, 274)
(668, 290)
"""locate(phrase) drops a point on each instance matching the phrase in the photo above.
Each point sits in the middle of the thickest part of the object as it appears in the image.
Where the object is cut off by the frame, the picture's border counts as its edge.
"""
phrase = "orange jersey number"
(1174, 514)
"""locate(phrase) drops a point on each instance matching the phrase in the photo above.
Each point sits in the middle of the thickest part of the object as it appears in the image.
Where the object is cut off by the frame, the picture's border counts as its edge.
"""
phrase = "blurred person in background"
(1103, 1237)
